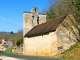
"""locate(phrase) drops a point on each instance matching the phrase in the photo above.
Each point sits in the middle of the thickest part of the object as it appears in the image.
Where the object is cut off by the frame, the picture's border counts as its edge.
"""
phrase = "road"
(26, 57)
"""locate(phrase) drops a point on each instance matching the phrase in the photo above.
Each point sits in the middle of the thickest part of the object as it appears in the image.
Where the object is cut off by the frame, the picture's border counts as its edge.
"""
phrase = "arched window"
(37, 20)
(35, 11)
(32, 18)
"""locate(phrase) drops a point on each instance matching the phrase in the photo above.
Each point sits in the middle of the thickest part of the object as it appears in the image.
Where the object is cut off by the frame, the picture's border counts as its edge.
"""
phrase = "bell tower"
(27, 22)
(35, 16)
(31, 19)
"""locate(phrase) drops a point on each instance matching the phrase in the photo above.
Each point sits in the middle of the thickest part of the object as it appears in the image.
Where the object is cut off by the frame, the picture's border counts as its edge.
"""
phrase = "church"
(42, 38)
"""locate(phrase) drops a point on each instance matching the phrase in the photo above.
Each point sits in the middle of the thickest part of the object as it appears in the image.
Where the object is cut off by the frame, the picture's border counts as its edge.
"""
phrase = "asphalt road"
(27, 57)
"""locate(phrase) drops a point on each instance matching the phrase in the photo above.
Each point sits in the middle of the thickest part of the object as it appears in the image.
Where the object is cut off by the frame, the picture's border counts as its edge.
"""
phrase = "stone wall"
(18, 50)
(67, 33)
(43, 45)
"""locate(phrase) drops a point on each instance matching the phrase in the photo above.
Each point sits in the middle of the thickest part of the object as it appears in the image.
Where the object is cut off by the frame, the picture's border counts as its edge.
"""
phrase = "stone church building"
(43, 38)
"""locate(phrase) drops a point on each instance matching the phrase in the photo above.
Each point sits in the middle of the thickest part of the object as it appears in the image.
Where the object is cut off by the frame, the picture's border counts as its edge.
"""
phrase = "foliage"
(51, 13)
(70, 57)
(77, 5)
(19, 42)
(8, 50)
(12, 32)
(17, 36)
(61, 7)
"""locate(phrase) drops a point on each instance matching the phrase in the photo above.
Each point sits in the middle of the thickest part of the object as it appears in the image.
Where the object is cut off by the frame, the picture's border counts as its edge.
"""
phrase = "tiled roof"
(45, 27)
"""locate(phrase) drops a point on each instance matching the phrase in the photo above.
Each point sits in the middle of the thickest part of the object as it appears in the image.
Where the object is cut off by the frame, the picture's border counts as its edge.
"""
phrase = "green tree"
(57, 8)
(12, 32)
(77, 5)
(51, 13)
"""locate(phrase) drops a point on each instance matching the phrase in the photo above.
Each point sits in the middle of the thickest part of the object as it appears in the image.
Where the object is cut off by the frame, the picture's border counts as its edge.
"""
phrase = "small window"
(60, 47)
(34, 11)
(32, 18)
(37, 20)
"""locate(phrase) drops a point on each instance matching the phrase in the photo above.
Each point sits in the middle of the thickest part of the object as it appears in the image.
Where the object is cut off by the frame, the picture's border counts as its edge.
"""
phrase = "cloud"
(14, 22)
(3, 18)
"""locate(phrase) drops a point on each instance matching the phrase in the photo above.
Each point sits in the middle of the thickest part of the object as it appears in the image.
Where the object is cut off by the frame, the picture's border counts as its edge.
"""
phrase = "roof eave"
(39, 34)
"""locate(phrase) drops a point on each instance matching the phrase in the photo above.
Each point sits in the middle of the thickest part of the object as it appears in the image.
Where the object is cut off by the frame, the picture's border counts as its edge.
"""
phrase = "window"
(34, 11)
(60, 47)
(32, 18)
(37, 20)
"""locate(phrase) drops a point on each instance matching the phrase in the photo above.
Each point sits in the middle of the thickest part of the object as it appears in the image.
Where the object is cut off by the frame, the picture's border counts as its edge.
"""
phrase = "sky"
(11, 13)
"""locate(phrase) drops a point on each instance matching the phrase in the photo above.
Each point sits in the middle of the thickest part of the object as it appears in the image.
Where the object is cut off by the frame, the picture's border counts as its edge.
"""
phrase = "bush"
(19, 42)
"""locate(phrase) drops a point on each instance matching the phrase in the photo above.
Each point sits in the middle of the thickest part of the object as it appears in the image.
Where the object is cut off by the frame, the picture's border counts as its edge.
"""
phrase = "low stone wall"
(18, 50)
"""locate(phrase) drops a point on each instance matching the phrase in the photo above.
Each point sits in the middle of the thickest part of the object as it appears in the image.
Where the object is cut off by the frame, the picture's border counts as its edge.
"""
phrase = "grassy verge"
(72, 48)
(9, 50)
(71, 52)
(1, 55)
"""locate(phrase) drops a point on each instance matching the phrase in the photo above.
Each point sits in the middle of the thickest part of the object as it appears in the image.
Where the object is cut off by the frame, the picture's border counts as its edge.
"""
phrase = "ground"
(9, 58)
(73, 54)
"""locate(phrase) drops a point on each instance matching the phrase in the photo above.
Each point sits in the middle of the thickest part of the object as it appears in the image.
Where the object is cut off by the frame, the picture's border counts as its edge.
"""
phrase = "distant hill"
(6, 35)
(12, 36)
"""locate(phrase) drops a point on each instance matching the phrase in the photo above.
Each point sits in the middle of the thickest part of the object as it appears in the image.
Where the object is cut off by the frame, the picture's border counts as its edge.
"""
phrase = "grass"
(67, 53)
(1, 55)
(71, 48)
(71, 57)
(8, 50)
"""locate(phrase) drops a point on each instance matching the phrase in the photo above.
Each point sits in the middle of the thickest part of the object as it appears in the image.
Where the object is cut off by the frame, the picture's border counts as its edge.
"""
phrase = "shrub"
(19, 42)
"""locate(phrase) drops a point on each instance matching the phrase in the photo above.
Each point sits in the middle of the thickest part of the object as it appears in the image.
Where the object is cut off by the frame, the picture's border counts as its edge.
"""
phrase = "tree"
(17, 36)
(77, 5)
(51, 13)
(59, 8)
(12, 32)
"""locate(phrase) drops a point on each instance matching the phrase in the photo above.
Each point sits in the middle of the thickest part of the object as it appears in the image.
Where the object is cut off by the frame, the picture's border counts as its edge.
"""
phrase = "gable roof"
(45, 27)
